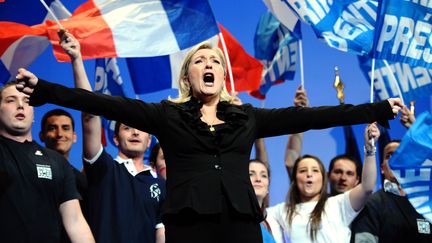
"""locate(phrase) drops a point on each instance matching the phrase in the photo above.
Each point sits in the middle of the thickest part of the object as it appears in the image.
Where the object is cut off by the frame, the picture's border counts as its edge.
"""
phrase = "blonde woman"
(207, 141)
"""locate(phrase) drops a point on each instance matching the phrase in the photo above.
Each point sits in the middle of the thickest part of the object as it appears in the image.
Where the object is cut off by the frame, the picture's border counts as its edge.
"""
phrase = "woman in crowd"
(309, 215)
(206, 141)
(259, 173)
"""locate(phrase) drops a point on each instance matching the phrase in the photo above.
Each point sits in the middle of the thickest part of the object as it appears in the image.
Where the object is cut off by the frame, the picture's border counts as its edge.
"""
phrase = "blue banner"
(345, 25)
(414, 82)
(412, 164)
(276, 47)
(108, 81)
(404, 32)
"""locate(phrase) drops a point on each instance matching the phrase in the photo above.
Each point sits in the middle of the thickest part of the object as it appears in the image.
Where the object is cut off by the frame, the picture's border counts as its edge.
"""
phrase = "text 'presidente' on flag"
(345, 25)
(404, 32)
(414, 82)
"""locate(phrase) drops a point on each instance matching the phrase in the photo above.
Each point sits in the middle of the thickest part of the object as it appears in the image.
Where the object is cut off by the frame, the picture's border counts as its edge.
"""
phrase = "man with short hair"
(343, 174)
(37, 187)
(124, 199)
(388, 215)
(58, 133)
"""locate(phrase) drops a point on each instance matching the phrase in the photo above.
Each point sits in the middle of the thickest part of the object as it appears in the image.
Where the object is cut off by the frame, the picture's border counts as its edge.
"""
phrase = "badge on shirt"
(44, 171)
(155, 191)
(423, 226)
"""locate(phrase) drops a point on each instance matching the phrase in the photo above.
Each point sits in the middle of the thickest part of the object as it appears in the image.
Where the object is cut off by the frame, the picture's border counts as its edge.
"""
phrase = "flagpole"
(301, 63)
(372, 81)
(372, 90)
(52, 14)
(227, 62)
(393, 79)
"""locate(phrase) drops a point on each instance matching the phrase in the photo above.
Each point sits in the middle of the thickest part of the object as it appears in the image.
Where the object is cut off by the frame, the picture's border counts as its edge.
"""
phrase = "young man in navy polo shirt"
(124, 198)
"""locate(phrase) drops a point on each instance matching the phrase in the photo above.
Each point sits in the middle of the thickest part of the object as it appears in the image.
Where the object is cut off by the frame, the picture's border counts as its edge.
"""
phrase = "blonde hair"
(185, 91)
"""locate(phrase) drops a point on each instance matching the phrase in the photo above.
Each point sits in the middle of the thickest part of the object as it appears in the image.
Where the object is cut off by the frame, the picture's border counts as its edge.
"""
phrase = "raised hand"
(407, 117)
(70, 44)
(371, 135)
(26, 81)
(300, 98)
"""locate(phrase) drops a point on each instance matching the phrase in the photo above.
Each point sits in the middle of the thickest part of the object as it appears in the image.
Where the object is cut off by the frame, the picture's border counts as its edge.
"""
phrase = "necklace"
(211, 128)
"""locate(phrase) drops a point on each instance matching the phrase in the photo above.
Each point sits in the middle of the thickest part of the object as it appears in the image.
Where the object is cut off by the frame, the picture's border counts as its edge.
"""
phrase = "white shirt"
(335, 220)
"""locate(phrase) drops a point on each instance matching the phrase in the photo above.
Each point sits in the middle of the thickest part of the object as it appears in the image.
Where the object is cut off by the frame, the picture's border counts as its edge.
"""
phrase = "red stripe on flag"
(11, 32)
(246, 69)
(90, 29)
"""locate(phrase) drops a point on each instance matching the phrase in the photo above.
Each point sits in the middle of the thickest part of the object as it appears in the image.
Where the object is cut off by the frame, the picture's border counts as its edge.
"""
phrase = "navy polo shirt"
(122, 206)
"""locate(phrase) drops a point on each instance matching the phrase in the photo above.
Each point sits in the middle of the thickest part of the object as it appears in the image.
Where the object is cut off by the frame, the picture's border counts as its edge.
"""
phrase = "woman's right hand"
(26, 81)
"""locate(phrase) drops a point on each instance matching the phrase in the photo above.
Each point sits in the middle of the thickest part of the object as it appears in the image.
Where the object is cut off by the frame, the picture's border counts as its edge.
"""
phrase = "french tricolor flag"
(159, 73)
(132, 28)
(23, 37)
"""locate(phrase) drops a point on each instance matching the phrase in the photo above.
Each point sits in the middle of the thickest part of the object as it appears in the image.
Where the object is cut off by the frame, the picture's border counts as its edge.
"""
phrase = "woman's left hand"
(396, 105)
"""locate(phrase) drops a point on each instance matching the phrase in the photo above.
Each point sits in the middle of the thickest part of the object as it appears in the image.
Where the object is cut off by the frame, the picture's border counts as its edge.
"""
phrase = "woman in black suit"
(207, 142)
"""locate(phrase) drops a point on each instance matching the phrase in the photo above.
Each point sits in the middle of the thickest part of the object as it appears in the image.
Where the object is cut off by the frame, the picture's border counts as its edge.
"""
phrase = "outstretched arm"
(295, 141)
(359, 194)
(91, 124)
(260, 148)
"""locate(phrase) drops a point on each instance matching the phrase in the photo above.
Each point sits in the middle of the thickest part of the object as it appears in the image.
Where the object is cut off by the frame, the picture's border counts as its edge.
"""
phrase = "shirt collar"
(391, 187)
(128, 163)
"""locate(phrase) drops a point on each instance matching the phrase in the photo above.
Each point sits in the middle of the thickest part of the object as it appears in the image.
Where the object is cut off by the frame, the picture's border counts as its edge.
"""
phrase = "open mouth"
(20, 116)
(208, 78)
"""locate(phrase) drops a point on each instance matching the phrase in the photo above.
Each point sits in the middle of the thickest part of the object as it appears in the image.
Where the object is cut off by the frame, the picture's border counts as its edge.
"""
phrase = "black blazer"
(201, 165)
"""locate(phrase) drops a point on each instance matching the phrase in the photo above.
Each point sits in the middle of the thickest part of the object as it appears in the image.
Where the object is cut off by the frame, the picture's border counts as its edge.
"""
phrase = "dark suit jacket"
(202, 165)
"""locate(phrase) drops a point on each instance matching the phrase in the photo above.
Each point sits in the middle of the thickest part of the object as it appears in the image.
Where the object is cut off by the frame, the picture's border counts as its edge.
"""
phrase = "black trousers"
(226, 227)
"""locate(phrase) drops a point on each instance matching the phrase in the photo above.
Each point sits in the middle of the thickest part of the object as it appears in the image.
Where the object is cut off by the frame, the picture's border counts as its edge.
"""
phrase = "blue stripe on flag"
(4, 73)
(23, 11)
(150, 74)
(203, 26)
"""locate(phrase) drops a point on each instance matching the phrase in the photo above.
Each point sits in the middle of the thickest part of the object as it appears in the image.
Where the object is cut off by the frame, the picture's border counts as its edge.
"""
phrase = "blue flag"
(414, 82)
(276, 47)
(404, 32)
(345, 25)
(412, 164)
(108, 81)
